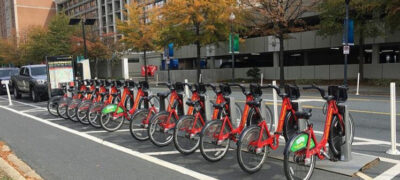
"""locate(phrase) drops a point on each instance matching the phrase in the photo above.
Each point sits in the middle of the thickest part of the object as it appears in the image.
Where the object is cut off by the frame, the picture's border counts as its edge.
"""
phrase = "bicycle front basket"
(225, 89)
(339, 92)
(292, 91)
(179, 87)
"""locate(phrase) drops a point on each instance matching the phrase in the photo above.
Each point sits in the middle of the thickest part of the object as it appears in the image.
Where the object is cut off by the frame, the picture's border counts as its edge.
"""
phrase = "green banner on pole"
(235, 43)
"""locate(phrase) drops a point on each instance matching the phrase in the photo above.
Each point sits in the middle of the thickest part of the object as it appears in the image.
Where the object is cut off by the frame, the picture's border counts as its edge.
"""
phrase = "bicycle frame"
(332, 111)
(286, 107)
(174, 99)
(227, 122)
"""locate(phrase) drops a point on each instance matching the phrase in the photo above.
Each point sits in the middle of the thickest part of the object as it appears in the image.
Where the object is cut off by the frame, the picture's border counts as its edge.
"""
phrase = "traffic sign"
(346, 49)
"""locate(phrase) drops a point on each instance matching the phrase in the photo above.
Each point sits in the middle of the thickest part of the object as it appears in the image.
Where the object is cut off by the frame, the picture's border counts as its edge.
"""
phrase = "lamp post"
(232, 18)
(346, 41)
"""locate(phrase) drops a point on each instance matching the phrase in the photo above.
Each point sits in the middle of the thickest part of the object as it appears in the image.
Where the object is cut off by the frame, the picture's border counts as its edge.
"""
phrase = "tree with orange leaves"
(202, 22)
(138, 31)
(278, 17)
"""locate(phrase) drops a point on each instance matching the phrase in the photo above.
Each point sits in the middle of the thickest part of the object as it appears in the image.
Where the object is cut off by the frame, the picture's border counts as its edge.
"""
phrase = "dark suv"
(31, 79)
(5, 74)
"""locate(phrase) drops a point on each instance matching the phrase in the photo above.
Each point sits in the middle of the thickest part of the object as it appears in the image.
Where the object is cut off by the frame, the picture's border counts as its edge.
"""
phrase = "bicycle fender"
(298, 142)
(111, 108)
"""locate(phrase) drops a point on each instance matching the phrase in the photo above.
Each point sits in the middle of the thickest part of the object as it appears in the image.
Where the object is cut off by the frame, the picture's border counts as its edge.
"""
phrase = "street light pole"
(346, 40)
(84, 38)
(232, 18)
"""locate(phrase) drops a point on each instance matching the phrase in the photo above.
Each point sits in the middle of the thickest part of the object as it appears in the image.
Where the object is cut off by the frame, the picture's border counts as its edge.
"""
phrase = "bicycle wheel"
(94, 114)
(238, 118)
(110, 123)
(290, 126)
(250, 159)
(62, 107)
(52, 105)
(294, 164)
(128, 102)
(138, 125)
(336, 134)
(183, 140)
(81, 112)
(71, 112)
(158, 135)
(210, 149)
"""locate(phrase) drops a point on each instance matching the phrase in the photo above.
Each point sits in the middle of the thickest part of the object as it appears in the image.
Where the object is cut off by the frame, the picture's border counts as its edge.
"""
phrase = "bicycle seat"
(254, 102)
(192, 103)
(305, 114)
(219, 106)
(163, 94)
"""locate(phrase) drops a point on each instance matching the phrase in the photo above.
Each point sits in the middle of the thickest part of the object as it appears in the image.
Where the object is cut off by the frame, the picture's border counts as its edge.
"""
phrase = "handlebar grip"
(309, 87)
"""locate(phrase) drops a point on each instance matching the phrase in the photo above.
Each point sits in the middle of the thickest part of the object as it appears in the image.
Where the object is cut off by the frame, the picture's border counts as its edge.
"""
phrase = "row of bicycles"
(193, 122)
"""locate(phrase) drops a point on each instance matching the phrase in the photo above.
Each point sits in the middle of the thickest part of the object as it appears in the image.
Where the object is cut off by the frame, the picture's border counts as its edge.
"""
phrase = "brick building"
(17, 16)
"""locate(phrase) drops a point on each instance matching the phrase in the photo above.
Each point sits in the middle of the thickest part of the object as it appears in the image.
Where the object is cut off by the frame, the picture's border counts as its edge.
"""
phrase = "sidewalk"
(11, 167)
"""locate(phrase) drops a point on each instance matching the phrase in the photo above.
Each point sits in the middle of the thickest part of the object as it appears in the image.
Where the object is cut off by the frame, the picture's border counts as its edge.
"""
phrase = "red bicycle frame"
(260, 143)
(332, 111)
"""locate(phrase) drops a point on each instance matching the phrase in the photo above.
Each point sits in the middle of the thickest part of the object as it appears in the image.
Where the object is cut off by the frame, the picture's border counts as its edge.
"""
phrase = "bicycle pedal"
(325, 154)
(219, 142)
(307, 161)
(259, 150)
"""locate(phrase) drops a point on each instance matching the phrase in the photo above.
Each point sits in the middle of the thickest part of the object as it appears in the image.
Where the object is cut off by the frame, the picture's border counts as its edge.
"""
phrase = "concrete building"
(17, 16)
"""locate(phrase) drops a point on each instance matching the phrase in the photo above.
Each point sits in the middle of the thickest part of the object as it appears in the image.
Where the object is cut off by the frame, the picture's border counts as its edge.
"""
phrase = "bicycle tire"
(290, 126)
(249, 135)
(81, 112)
(136, 123)
(95, 109)
(165, 138)
(296, 160)
(52, 105)
(71, 110)
(180, 137)
(62, 108)
(107, 121)
(210, 129)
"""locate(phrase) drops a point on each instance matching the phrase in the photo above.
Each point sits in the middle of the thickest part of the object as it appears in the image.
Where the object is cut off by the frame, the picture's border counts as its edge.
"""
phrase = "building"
(17, 16)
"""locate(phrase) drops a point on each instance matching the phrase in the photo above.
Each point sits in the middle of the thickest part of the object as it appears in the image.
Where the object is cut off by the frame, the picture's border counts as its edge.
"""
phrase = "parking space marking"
(34, 110)
(365, 143)
(137, 154)
(55, 119)
(103, 131)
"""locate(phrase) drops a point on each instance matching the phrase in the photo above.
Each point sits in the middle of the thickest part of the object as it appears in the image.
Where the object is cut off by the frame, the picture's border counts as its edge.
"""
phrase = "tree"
(184, 22)
(278, 17)
(254, 73)
(393, 14)
(36, 46)
(59, 35)
(367, 16)
(10, 51)
(138, 31)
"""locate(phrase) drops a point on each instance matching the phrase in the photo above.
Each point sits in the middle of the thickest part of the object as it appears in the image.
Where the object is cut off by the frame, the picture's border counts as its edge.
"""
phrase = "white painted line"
(55, 119)
(365, 139)
(362, 175)
(103, 131)
(177, 152)
(390, 173)
(137, 154)
(34, 110)
(365, 143)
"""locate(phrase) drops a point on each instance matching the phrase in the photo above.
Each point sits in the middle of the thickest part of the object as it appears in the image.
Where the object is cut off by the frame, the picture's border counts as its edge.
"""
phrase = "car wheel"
(17, 95)
(34, 95)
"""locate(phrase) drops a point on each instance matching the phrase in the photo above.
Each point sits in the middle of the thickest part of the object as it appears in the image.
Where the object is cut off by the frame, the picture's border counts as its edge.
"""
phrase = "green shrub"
(254, 73)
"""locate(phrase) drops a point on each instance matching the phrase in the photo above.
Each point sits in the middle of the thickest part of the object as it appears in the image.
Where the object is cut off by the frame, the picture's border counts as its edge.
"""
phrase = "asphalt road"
(62, 149)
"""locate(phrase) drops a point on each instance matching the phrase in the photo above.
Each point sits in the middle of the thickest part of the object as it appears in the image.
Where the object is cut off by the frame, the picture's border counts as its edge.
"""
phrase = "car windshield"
(38, 71)
(8, 72)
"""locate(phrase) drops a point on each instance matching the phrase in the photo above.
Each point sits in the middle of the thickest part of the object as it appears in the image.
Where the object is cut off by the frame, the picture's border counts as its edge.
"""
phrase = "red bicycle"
(108, 97)
(256, 140)
(301, 150)
(86, 95)
(162, 124)
(216, 135)
(140, 119)
(96, 90)
(77, 94)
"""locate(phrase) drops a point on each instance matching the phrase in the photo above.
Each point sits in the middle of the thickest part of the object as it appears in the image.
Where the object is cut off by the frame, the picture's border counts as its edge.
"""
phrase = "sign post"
(59, 71)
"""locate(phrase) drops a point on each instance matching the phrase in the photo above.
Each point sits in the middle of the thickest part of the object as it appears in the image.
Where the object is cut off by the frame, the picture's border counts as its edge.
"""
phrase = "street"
(61, 149)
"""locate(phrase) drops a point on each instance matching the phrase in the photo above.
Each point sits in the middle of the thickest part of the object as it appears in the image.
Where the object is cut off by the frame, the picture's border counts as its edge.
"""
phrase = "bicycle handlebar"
(238, 85)
(278, 91)
(321, 91)
(212, 87)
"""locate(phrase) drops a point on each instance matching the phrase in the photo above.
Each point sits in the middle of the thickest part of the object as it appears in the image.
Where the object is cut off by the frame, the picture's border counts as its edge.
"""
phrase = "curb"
(15, 167)
(10, 171)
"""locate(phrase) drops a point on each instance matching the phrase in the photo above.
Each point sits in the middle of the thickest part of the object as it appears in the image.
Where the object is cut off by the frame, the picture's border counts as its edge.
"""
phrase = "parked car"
(5, 74)
(31, 79)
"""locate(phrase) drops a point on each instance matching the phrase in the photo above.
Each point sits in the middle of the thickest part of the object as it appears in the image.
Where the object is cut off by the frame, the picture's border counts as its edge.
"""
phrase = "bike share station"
(350, 163)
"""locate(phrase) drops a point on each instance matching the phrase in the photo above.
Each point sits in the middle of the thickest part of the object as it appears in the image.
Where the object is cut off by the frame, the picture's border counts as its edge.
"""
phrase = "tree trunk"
(361, 58)
(198, 53)
(281, 61)
(145, 65)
